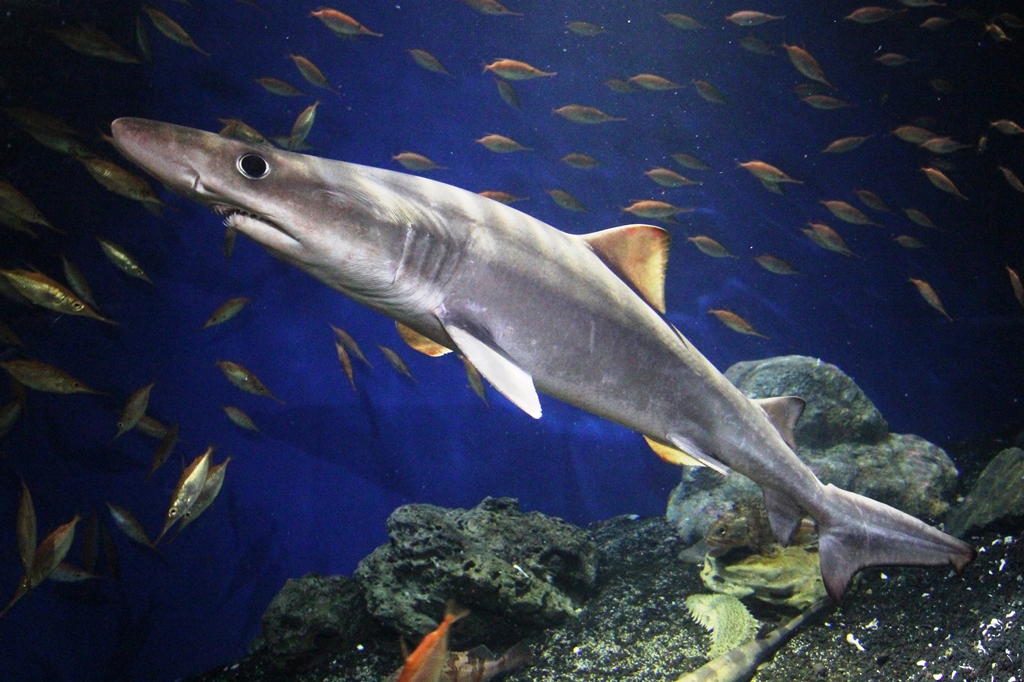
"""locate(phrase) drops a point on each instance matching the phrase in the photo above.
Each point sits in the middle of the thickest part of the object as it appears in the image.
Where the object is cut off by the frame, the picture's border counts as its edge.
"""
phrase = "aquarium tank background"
(311, 489)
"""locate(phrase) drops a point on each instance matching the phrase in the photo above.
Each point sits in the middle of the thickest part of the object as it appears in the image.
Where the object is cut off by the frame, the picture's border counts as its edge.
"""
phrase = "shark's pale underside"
(535, 309)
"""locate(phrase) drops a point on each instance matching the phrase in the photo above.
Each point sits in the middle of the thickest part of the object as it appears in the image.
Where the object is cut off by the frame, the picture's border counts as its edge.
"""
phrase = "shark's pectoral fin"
(691, 449)
(673, 455)
(417, 341)
(508, 378)
(783, 412)
(784, 514)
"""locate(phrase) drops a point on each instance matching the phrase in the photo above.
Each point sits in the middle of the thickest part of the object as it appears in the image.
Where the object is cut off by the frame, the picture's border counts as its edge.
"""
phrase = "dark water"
(310, 492)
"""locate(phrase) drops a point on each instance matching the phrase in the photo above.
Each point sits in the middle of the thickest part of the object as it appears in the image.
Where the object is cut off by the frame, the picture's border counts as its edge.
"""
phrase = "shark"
(580, 318)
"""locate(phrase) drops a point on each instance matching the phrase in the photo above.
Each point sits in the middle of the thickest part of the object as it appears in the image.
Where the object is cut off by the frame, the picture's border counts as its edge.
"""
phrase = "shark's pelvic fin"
(638, 254)
(783, 412)
(673, 455)
(417, 341)
(508, 378)
(784, 514)
(687, 446)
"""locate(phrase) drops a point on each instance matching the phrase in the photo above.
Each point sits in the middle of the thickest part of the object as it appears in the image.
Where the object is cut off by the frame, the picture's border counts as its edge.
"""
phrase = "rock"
(311, 620)
(997, 493)
(841, 436)
(837, 410)
(516, 572)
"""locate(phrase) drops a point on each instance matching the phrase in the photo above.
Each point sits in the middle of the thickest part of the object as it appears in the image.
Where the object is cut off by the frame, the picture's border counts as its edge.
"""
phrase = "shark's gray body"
(529, 305)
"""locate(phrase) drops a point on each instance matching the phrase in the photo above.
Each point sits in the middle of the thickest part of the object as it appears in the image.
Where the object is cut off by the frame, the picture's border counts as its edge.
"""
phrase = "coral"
(725, 617)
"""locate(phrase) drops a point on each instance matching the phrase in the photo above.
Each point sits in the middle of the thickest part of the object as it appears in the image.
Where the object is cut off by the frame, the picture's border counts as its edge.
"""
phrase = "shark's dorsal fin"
(673, 455)
(421, 343)
(508, 378)
(638, 254)
(686, 445)
(783, 412)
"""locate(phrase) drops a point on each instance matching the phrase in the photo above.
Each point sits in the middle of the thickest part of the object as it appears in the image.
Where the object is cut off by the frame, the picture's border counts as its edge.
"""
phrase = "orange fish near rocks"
(427, 662)
(478, 665)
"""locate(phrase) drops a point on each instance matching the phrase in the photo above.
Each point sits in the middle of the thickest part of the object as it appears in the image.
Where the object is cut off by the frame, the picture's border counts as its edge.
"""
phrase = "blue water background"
(312, 491)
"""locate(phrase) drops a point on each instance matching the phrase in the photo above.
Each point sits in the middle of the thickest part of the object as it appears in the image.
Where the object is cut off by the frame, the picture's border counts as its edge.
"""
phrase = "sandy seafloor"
(909, 623)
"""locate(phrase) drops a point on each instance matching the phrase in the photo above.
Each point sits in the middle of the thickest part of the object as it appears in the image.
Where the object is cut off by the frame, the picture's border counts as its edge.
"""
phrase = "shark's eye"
(253, 166)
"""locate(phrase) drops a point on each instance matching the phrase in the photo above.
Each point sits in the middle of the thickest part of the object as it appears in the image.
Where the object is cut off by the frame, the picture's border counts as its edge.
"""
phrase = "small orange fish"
(581, 161)
(652, 208)
(736, 323)
(767, 173)
(648, 81)
(776, 265)
(164, 449)
(427, 662)
(920, 218)
(415, 162)
(278, 87)
(585, 28)
(750, 18)
(847, 213)
(669, 178)
(827, 238)
(710, 246)
(245, 380)
(913, 134)
(503, 197)
(929, 295)
(492, 7)
(313, 75)
(226, 311)
(1018, 288)
(806, 64)
(872, 200)
(341, 23)
(682, 21)
(172, 29)
(515, 70)
(940, 180)
(500, 144)
(133, 410)
(578, 113)
(396, 362)
(428, 61)
(1012, 178)
(824, 102)
(350, 343)
(91, 41)
(566, 200)
(709, 92)
(690, 161)
(845, 144)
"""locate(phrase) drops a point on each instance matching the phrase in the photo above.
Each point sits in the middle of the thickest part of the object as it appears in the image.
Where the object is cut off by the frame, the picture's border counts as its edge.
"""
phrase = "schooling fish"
(586, 324)
(186, 492)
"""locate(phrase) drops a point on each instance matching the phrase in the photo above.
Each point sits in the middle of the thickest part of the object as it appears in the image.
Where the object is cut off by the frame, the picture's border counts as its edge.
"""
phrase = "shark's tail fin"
(857, 532)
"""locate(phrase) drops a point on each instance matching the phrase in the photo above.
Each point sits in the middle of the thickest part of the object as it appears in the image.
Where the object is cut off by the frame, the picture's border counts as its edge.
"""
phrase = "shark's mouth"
(254, 224)
(232, 214)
